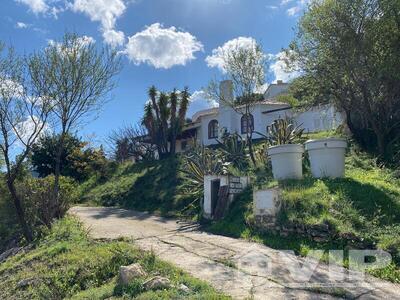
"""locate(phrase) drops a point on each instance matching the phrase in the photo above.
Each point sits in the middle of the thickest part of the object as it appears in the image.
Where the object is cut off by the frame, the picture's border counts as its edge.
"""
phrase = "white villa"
(206, 125)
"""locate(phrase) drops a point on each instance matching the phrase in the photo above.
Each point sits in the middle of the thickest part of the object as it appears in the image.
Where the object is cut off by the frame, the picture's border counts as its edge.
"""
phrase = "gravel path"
(236, 267)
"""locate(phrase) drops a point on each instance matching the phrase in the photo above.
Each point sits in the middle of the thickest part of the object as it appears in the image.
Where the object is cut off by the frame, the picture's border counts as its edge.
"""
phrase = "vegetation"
(23, 116)
(245, 68)
(66, 263)
(77, 159)
(282, 132)
(155, 186)
(348, 52)
(361, 210)
(77, 77)
(164, 117)
(131, 142)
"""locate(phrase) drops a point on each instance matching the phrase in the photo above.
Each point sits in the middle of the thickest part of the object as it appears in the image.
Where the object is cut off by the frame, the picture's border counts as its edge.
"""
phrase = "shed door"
(215, 184)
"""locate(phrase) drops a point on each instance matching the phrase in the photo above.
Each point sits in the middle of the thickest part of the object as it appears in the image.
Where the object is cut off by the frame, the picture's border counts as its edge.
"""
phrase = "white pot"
(327, 157)
(287, 161)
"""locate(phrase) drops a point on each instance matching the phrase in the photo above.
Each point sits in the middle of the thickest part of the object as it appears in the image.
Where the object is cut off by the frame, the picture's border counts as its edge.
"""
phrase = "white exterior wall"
(319, 119)
(207, 209)
(313, 120)
(205, 120)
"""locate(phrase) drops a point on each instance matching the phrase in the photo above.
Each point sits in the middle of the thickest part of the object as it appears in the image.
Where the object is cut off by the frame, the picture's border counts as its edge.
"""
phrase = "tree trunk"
(57, 173)
(20, 211)
(380, 139)
(251, 150)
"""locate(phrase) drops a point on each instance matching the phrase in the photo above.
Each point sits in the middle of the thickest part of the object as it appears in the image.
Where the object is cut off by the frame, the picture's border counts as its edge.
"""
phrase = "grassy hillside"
(152, 186)
(360, 210)
(68, 264)
(365, 206)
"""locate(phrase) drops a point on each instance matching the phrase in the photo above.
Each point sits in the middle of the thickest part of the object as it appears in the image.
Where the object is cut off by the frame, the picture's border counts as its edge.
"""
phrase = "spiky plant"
(283, 131)
(233, 150)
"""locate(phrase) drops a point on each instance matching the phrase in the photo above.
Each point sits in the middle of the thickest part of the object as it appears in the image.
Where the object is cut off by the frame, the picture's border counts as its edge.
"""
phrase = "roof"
(204, 112)
(276, 89)
(270, 94)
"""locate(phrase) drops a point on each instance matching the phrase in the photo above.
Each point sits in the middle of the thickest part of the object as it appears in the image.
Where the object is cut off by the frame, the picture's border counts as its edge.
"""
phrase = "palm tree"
(163, 119)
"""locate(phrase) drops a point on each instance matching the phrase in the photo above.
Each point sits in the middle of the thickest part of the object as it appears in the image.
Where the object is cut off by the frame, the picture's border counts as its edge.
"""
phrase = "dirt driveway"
(238, 268)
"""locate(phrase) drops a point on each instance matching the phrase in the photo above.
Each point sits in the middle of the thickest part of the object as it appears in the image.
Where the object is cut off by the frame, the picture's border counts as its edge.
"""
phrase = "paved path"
(236, 267)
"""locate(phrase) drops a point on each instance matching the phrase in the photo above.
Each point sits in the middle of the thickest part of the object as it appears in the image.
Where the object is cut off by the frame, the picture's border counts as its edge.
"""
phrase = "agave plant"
(233, 150)
(200, 161)
(283, 131)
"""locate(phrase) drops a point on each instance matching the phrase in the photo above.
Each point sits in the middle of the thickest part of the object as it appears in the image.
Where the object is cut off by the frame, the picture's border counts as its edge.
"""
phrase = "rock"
(9, 252)
(26, 282)
(128, 273)
(157, 283)
(183, 288)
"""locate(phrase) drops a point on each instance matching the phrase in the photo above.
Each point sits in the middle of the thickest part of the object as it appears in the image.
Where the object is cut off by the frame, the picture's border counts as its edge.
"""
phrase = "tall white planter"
(286, 161)
(327, 157)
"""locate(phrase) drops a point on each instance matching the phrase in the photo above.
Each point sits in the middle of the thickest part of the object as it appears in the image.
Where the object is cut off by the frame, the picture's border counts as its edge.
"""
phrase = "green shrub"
(37, 193)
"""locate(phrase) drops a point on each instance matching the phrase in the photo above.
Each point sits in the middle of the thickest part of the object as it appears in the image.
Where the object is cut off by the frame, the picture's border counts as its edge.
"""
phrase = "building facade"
(207, 125)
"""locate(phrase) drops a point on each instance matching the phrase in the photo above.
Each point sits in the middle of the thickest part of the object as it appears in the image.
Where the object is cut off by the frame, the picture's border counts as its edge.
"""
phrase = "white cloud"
(162, 47)
(294, 11)
(36, 6)
(285, 2)
(198, 101)
(218, 56)
(272, 7)
(45, 7)
(200, 96)
(106, 12)
(29, 127)
(10, 88)
(114, 38)
(278, 68)
(21, 25)
(82, 41)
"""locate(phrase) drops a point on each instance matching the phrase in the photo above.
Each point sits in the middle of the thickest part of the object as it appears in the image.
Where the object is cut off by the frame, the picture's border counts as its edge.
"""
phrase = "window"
(213, 129)
(247, 123)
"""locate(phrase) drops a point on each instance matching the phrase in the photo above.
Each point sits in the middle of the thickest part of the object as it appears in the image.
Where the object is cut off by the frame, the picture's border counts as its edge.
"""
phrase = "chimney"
(226, 92)
(279, 81)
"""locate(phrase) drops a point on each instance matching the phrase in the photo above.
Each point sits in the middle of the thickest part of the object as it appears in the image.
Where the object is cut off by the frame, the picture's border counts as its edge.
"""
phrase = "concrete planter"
(327, 157)
(286, 161)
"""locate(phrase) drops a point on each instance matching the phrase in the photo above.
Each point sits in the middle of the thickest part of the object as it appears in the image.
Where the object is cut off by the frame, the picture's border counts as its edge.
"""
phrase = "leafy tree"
(164, 117)
(349, 52)
(245, 68)
(77, 160)
(78, 77)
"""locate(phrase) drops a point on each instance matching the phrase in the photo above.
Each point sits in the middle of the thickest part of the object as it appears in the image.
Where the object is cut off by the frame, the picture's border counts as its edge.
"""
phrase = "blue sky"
(164, 42)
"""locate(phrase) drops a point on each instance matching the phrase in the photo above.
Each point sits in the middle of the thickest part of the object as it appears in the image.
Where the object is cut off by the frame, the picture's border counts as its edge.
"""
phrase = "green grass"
(149, 186)
(366, 203)
(68, 264)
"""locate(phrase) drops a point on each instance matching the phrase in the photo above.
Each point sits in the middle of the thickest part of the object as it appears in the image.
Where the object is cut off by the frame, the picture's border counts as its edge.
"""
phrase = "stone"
(183, 288)
(10, 252)
(157, 283)
(129, 273)
(27, 282)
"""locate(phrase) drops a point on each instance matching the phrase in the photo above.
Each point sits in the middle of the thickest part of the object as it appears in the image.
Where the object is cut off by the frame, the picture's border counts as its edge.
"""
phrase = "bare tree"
(78, 78)
(23, 118)
(131, 141)
(245, 68)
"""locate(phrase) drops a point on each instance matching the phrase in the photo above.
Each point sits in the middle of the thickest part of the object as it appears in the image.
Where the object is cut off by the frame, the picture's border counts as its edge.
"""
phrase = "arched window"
(247, 123)
(213, 129)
